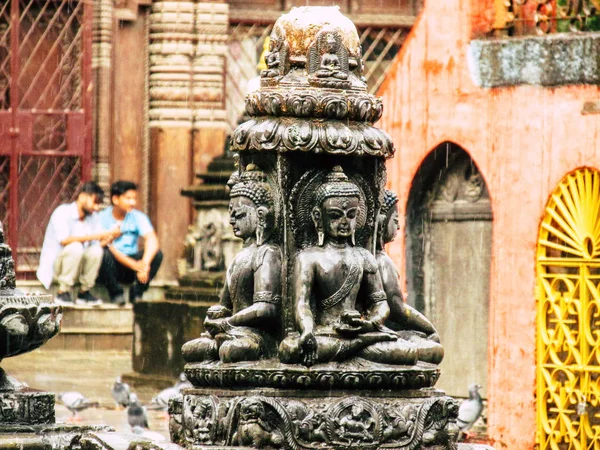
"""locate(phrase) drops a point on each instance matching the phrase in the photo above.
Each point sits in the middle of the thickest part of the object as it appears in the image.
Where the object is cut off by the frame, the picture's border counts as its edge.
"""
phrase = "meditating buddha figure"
(340, 304)
(243, 326)
(409, 323)
(330, 63)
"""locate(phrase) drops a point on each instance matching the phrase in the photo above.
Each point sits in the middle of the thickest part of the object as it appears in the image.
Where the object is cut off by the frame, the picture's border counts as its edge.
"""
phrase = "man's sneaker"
(64, 298)
(118, 300)
(87, 298)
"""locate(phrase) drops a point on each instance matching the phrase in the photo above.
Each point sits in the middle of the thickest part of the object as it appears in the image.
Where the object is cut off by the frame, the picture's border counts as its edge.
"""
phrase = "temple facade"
(493, 108)
(141, 90)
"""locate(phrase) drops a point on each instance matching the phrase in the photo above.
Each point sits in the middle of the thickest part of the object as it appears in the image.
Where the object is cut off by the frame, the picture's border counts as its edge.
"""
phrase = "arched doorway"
(568, 315)
(448, 251)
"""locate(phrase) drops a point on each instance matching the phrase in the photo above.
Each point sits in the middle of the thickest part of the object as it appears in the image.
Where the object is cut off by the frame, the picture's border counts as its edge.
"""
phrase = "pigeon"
(470, 410)
(161, 401)
(136, 413)
(183, 382)
(120, 392)
(75, 402)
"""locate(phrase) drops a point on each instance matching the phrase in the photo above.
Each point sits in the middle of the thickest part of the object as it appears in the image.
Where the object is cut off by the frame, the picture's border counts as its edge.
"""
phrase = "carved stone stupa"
(312, 345)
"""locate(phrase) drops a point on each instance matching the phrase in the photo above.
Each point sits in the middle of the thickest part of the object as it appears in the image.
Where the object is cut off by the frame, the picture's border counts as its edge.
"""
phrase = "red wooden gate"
(45, 115)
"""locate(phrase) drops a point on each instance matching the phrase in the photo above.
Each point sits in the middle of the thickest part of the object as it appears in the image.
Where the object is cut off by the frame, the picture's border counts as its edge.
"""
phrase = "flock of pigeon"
(137, 417)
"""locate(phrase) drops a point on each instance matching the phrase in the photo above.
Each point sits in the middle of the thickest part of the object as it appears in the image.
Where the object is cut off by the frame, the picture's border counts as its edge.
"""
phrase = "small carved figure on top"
(272, 58)
(330, 63)
(339, 301)
(328, 58)
(243, 326)
(410, 324)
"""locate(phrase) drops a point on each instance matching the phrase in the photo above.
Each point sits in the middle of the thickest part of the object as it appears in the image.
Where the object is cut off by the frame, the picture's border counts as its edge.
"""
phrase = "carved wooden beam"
(360, 20)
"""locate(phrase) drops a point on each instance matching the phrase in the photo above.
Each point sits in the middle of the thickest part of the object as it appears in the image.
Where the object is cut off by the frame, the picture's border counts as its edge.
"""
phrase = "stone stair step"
(203, 279)
(193, 294)
(87, 318)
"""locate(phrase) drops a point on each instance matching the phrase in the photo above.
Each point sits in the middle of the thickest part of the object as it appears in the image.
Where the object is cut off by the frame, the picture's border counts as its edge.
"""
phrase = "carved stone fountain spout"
(312, 346)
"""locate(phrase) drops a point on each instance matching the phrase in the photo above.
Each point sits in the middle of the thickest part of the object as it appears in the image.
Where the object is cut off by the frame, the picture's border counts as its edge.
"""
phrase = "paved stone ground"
(92, 374)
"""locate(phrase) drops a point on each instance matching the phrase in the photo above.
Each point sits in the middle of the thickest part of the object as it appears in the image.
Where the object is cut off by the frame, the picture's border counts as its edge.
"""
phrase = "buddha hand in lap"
(243, 326)
(409, 323)
(333, 283)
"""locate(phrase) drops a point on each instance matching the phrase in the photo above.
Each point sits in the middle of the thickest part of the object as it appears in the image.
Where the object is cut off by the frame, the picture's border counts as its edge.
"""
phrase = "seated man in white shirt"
(71, 251)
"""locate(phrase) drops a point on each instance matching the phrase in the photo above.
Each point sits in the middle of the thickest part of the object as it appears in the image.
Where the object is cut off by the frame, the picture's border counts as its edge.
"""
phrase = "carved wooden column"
(101, 66)
(209, 115)
(172, 42)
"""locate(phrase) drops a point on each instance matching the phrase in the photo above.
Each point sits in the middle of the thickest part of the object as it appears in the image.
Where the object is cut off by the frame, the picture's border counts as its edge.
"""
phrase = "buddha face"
(391, 226)
(339, 216)
(243, 217)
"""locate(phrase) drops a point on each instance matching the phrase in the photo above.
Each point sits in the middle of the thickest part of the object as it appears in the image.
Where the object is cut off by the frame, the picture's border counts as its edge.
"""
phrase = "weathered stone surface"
(346, 375)
(336, 419)
(26, 407)
(540, 60)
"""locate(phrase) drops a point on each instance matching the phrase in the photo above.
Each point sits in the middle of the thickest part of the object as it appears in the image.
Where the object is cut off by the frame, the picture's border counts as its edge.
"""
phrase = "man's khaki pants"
(76, 262)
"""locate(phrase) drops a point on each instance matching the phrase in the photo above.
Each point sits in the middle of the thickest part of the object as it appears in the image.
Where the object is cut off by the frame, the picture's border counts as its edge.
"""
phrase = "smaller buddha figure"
(243, 326)
(340, 304)
(409, 323)
(272, 58)
(330, 63)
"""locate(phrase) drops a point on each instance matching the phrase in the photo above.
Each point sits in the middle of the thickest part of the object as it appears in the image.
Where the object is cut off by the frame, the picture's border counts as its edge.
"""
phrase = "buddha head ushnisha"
(251, 206)
(336, 209)
(387, 221)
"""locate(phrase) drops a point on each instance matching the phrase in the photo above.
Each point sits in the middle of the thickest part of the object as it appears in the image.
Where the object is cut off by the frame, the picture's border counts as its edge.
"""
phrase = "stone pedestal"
(330, 406)
(26, 407)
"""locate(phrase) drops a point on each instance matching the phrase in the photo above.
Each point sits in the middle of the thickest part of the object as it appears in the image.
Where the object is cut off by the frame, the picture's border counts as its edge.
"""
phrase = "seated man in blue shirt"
(123, 261)
(71, 251)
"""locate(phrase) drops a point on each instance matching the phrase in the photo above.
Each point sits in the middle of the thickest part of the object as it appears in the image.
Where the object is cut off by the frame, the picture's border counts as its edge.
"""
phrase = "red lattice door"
(45, 115)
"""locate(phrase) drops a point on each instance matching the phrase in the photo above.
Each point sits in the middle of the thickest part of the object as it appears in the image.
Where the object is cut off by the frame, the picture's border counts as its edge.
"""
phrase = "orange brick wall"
(524, 140)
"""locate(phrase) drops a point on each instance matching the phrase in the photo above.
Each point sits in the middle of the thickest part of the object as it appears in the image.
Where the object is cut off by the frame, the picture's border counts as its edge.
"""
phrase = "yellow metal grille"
(568, 316)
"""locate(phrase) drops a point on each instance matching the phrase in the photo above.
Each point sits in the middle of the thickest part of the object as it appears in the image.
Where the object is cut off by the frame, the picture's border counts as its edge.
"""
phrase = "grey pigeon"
(161, 401)
(183, 382)
(470, 409)
(75, 402)
(120, 392)
(136, 413)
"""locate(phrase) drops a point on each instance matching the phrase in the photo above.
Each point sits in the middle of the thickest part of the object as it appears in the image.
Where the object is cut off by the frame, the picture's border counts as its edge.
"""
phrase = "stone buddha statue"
(340, 304)
(330, 63)
(244, 325)
(409, 323)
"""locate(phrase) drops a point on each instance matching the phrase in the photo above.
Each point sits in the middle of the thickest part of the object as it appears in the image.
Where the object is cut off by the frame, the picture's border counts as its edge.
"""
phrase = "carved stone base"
(314, 419)
(352, 374)
(26, 407)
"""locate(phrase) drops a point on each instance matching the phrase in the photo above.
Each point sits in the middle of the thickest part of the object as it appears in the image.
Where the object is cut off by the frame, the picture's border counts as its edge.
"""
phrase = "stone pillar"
(172, 45)
(101, 66)
(208, 91)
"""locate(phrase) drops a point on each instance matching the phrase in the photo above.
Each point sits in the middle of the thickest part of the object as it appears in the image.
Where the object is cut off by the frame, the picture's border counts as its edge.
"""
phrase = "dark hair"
(92, 188)
(118, 188)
